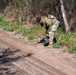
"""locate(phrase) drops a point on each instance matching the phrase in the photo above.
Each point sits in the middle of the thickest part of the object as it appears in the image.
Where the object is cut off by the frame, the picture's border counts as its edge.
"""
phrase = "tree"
(64, 16)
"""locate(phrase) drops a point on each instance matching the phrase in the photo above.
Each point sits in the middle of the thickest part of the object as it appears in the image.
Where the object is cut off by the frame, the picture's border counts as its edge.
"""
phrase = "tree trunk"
(64, 16)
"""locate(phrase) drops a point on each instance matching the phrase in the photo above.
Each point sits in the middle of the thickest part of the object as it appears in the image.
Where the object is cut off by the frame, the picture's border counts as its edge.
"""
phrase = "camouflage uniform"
(53, 24)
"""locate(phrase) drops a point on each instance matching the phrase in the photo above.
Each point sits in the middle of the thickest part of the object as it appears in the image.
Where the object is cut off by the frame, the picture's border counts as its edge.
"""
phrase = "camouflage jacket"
(51, 22)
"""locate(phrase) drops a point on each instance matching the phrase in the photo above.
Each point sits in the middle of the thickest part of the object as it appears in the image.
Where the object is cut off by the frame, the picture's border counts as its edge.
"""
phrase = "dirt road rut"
(37, 59)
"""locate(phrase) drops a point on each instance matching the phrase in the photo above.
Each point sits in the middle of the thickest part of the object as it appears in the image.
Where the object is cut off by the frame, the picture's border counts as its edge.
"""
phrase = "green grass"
(1, 18)
(68, 39)
(31, 37)
(18, 28)
(38, 30)
(73, 49)
(37, 27)
(25, 31)
(5, 25)
(56, 45)
(7, 28)
(32, 33)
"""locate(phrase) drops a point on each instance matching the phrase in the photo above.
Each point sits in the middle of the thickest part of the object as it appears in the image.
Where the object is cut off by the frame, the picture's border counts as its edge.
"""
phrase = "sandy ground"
(18, 57)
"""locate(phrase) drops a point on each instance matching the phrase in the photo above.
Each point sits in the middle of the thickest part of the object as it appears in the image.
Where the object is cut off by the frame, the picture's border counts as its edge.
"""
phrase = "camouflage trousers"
(52, 32)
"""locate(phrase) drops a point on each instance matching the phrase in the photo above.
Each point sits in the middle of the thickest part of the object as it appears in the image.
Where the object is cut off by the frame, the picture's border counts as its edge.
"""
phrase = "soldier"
(51, 24)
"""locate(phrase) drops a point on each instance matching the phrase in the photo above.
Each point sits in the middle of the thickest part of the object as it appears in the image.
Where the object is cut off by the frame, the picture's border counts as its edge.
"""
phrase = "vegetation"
(63, 39)
(36, 31)
(23, 10)
(56, 45)
(18, 12)
(66, 39)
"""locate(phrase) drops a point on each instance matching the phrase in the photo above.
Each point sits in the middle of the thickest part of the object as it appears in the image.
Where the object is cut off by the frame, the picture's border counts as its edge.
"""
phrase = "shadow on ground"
(9, 55)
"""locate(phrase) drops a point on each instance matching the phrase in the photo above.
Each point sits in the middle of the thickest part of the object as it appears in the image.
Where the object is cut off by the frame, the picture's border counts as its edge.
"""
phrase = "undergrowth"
(66, 39)
(19, 29)
(63, 39)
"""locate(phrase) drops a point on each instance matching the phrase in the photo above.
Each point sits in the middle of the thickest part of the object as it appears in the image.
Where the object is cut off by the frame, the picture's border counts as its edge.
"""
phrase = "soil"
(18, 57)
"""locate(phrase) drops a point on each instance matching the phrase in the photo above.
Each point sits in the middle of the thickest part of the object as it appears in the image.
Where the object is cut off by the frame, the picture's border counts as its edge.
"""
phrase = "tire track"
(41, 54)
(35, 60)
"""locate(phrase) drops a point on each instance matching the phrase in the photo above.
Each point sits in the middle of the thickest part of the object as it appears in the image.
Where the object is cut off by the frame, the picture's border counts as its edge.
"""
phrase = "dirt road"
(34, 59)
